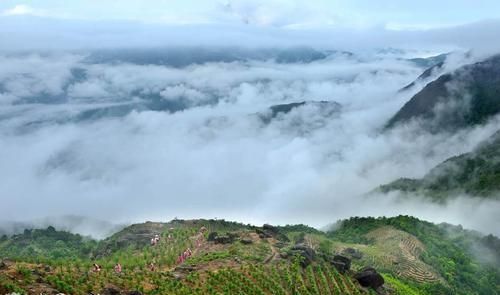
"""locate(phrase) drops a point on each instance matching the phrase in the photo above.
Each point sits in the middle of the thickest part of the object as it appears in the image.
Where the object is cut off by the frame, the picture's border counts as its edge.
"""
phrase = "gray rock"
(306, 253)
(353, 253)
(341, 263)
(369, 277)
(246, 241)
(211, 236)
(110, 291)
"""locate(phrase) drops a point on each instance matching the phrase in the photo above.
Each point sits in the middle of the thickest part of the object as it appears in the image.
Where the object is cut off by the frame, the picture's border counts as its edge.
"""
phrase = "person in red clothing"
(118, 268)
(97, 268)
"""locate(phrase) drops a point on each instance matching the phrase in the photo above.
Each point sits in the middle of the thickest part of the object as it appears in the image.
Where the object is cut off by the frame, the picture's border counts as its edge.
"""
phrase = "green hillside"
(476, 173)
(409, 256)
(465, 97)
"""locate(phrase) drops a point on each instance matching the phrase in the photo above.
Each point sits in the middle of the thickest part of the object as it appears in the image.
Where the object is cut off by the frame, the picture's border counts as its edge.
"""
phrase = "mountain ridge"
(465, 97)
(397, 255)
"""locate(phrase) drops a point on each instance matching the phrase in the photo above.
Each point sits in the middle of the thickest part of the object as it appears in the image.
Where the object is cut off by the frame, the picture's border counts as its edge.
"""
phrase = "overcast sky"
(394, 14)
(438, 25)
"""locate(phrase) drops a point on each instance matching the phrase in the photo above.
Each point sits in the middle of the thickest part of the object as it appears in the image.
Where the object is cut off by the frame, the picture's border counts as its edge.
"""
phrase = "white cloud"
(23, 9)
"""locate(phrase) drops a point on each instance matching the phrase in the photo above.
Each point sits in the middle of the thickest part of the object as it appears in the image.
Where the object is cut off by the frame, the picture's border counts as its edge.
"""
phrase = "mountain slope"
(411, 256)
(425, 75)
(468, 96)
(476, 173)
(428, 253)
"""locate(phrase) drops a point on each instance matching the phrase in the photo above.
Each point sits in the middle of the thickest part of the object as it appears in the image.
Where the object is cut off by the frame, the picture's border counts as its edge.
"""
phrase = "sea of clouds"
(127, 142)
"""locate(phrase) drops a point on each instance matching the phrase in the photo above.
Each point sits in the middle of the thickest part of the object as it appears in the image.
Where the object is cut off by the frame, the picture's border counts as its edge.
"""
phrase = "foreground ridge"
(400, 255)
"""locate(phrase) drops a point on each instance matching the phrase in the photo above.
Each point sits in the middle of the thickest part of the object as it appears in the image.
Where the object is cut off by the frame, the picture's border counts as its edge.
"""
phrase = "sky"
(433, 25)
(392, 14)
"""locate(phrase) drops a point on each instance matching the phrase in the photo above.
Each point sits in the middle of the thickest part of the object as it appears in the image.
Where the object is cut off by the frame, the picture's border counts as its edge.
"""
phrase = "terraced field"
(403, 251)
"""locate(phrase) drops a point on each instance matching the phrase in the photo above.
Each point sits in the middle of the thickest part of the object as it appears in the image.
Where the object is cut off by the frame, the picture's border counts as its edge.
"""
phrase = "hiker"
(181, 258)
(153, 242)
(118, 268)
(152, 266)
(97, 268)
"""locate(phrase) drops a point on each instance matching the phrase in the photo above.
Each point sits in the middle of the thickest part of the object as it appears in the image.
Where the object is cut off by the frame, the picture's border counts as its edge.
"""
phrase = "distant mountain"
(429, 62)
(468, 96)
(181, 57)
(425, 75)
(476, 173)
(300, 118)
(323, 108)
(71, 223)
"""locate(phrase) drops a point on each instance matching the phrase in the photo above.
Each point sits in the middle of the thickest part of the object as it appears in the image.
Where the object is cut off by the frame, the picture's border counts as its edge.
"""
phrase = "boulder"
(369, 277)
(353, 253)
(221, 239)
(185, 268)
(341, 263)
(305, 252)
(110, 290)
(182, 271)
(211, 236)
(263, 234)
(225, 239)
(246, 241)
(269, 231)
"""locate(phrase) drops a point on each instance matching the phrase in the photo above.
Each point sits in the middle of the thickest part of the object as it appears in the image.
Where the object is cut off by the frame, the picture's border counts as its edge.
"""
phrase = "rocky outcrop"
(269, 231)
(113, 290)
(306, 254)
(110, 290)
(181, 271)
(211, 236)
(217, 238)
(352, 253)
(369, 277)
(341, 263)
(246, 241)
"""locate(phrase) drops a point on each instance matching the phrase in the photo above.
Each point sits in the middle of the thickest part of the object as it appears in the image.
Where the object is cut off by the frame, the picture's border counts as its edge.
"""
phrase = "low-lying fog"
(128, 142)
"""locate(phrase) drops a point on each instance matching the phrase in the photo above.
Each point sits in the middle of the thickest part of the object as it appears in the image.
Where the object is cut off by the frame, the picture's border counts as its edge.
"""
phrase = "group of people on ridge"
(184, 255)
(155, 240)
